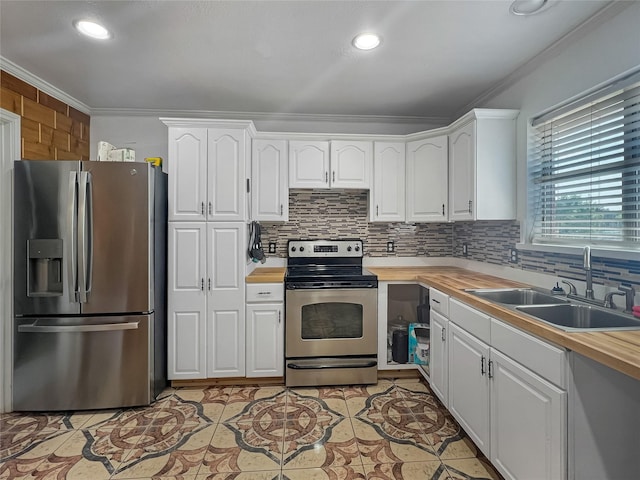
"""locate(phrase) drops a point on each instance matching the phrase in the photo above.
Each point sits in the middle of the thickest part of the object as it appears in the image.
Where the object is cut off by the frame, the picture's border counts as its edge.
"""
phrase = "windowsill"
(620, 254)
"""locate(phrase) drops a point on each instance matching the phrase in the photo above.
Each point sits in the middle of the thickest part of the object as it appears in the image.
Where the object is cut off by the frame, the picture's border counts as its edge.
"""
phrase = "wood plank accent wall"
(50, 129)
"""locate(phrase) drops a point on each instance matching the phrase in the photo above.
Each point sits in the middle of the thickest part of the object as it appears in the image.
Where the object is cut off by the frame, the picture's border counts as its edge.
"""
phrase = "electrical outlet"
(390, 247)
(272, 247)
(465, 249)
(513, 255)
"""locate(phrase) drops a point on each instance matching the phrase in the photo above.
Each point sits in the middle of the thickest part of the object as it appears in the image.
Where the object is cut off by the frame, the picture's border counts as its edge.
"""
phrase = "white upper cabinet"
(308, 164)
(427, 189)
(387, 196)
(351, 164)
(207, 171)
(335, 164)
(187, 185)
(226, 174)
(270, 189)
(482, 166)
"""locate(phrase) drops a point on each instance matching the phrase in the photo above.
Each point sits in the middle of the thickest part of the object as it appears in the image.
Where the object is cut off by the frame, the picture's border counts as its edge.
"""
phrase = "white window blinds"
(584, 172)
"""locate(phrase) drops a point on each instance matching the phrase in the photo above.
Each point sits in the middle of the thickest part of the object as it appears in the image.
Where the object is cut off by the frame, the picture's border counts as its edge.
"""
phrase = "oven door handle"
(368, 364)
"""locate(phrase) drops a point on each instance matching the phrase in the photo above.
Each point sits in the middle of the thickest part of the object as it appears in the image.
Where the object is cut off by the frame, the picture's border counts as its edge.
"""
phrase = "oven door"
(331, 322)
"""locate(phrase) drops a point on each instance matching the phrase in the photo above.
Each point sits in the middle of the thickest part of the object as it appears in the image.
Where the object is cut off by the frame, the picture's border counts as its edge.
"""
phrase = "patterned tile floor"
(392, 430)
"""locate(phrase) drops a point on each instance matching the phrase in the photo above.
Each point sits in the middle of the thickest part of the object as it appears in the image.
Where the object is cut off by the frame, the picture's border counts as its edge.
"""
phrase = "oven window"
(331, 320)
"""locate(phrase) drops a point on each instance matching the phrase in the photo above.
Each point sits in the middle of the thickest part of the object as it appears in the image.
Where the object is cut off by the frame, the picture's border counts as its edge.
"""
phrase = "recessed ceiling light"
(92, 29)
(366, 41)
(527, 7)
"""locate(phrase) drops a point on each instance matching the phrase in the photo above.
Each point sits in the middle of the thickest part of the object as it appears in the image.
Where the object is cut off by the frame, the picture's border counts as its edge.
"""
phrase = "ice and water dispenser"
(44, 267)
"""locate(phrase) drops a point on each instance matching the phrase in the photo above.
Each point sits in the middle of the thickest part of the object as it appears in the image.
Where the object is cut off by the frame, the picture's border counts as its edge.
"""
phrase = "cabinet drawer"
(546, 360)
(265, 292)
(439, 301)
(471, 320)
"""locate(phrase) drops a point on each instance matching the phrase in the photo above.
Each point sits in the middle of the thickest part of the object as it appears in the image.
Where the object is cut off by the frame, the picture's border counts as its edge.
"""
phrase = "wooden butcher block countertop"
(267, 275)
(619, 350)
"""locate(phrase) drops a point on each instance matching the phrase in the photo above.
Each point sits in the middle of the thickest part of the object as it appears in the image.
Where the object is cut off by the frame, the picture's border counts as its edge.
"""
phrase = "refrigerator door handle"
(85, 236)
(103, 327)
(72, 237)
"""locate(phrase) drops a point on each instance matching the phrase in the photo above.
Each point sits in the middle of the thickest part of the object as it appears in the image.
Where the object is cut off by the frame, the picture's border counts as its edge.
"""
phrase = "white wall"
(597, 56)
(146, 135)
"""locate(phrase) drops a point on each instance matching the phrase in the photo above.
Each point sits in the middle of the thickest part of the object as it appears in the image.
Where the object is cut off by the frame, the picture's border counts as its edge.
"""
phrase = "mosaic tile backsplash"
(344, 214)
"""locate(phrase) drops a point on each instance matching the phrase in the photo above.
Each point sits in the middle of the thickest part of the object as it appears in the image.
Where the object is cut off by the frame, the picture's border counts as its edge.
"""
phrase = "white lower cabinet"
(508, 405)
(439, 358)
(528, 423)
(265, 330)
(206, 304)
(469, 385)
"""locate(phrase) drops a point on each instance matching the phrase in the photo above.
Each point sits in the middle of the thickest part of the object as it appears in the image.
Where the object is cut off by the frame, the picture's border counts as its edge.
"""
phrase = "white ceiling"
(436, 59)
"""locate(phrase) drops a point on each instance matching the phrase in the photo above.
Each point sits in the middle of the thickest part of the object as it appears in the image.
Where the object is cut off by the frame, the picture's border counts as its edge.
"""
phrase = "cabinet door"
(226, 182)
(270, 191)
(308, 164)
(469, 385)
(187, 173)
(351, 164)
(226, 299)
(427, 180)
(265, 340)
(528, 423)
(439, 360)
(387, 198)
(462, 158)
(187, 301)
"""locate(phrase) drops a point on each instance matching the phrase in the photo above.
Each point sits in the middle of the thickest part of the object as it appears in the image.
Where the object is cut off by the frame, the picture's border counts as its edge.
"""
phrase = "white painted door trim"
(9, 151)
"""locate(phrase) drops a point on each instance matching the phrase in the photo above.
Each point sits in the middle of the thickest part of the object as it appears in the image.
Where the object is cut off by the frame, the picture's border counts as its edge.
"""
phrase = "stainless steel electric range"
(331, 321)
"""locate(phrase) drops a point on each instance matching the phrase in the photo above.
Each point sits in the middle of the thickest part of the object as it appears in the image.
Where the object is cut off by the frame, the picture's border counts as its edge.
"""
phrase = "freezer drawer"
(82, 363)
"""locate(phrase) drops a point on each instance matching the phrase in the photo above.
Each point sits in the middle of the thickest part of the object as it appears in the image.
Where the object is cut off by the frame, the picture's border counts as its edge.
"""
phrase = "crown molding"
(611, 10)
(265, 116)
(26, 76)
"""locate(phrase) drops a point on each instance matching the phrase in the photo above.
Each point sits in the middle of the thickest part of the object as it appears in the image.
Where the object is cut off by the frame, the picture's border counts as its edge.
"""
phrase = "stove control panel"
(325, 248)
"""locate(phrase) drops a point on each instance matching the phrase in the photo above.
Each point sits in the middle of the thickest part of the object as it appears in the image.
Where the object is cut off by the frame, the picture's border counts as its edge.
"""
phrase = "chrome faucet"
(624, 290)
(586, 263)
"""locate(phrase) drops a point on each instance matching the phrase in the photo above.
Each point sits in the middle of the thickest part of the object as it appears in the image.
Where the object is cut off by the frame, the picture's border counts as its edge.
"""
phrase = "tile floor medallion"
(395, 430)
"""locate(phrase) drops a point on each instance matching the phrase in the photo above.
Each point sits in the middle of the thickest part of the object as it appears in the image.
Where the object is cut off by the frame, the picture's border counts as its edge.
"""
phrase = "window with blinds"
(584, 171)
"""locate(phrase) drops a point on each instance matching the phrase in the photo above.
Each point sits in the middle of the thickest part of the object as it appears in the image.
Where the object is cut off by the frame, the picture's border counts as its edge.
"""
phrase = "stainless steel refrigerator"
(89, 284)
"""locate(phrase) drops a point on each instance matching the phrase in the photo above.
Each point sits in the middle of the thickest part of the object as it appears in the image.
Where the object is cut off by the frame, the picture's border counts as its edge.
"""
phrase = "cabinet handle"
(279, 316)
(376, 210)
(209, 284)
(470, 205)
(210, 208)
(444, 335)
(443, 209)
(202, 208)
(435, 301)
(482, 371)
(202, 284)
(490, 374)
(334, 176)
(281, 210)
(326, 177)
(264, 293)
(248, 185)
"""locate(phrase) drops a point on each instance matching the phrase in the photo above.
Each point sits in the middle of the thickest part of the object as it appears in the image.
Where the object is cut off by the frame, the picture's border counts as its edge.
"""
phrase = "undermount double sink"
(558, 310)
